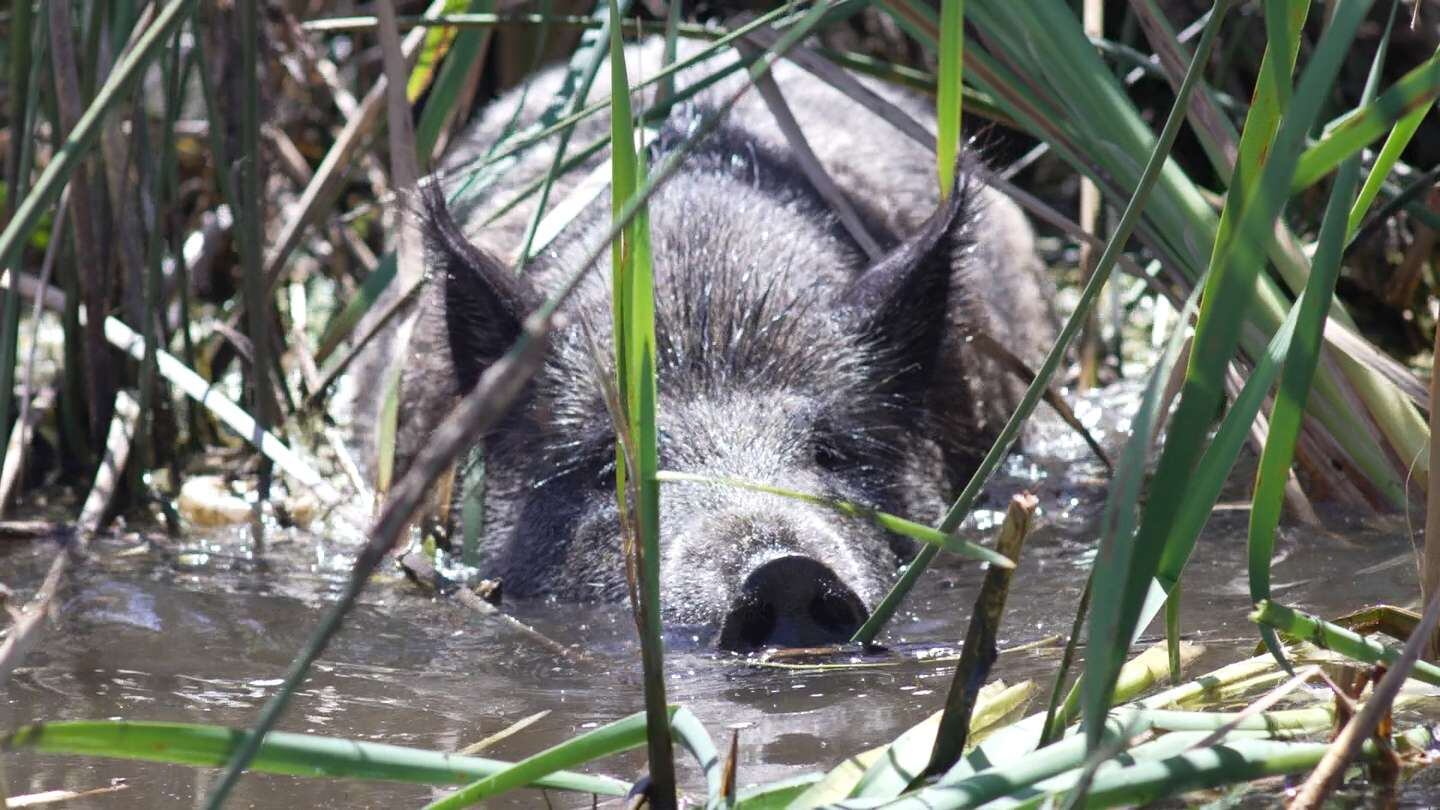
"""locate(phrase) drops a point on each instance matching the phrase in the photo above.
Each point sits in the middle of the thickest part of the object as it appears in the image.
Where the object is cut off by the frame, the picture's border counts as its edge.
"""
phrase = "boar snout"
(791, 601)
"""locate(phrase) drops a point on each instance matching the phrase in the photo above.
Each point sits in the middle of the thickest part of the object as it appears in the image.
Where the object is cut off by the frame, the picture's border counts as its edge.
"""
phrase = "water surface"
(200, 630)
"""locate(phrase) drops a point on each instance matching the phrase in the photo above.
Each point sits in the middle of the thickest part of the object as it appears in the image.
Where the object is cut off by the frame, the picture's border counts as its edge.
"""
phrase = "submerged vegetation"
(204, 213)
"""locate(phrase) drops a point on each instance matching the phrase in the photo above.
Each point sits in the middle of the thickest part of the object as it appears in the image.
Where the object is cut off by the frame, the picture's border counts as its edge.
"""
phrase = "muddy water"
(200, 630)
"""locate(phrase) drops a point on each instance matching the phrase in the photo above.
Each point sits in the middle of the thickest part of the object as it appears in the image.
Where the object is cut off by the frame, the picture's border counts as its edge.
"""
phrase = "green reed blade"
(1301, 360)
(438, 42)
(929, 535)
(1117, 521)
(469, 45)
(1122, 784)
(1123, 229)
(673, 23)
(948, 99)
(1257, 138)
(1228, 295)
(691, 733)
(621, 735)
(593, 43)
(1330, 636)
(17, 181)
(1098, 131)
(286, 753)
(1416, 90)
(775, 795)
(248, 230)
(633, 305)
(1395, 143)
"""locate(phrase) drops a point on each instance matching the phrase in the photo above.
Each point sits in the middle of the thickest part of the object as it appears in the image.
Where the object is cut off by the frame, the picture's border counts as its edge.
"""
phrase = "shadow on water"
(198, 631)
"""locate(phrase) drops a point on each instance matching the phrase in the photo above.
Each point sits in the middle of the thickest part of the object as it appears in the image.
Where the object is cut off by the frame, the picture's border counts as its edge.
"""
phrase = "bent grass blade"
(1415, 91)
(621, 735)
(281, 752)
(893, 523)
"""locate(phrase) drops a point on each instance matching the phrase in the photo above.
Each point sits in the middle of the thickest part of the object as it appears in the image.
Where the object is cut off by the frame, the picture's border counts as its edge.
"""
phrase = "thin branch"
(1363, 726)
(26, 630)
(198, 389)
(843, 81)
(92, 276)
(810, 164)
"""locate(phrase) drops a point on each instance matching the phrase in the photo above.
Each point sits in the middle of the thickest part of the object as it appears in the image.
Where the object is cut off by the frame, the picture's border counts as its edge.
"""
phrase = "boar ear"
(485, 301)
(903, 301)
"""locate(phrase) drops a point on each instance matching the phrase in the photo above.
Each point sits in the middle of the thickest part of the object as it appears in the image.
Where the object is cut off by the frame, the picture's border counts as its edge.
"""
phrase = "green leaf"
(1129, 219)
(370, 290)
(281, 753)
(1301, 359)
(775, 795)
(1145, 779)
(438, 42)
(948, 95)
(1204, 485)
(1235, 264)
(1099, 132)
(692, 734)
(893, 523)
(1395, 143)
(622, 735)
(1415, 91)
(1330, 636)
(1263, 118)
(593, 44)
(634, 335)
(468, 47)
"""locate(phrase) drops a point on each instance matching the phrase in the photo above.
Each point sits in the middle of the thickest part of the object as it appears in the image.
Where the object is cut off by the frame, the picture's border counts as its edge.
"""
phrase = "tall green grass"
(1234, 268)
(636, 454)
(1301, 360)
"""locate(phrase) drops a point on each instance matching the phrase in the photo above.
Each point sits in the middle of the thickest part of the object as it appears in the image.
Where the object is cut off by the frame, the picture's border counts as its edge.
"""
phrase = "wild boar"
(785, 356)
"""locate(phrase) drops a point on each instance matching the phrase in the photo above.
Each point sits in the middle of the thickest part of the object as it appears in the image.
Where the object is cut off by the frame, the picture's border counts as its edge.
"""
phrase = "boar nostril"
(791, 602)
(748, 626)
(837, 612)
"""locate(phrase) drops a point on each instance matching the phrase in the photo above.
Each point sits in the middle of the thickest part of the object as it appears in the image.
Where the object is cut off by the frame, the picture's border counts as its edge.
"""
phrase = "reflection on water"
(201, 632)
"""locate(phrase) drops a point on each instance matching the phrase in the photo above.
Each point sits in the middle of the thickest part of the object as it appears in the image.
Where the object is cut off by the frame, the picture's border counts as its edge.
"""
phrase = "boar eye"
(828, 457)
(605, 476)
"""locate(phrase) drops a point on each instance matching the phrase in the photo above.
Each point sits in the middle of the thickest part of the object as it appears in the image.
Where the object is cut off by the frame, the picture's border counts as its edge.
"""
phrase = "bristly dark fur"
(904, 298)
(486, 301)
